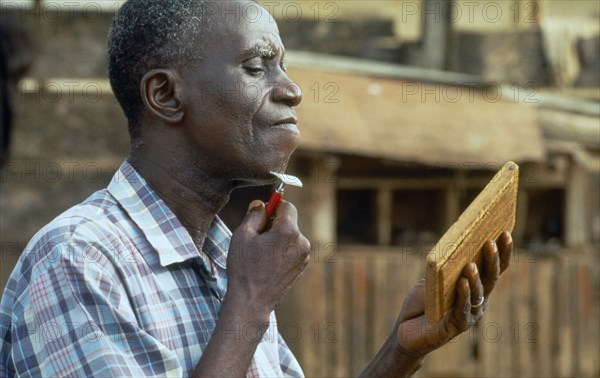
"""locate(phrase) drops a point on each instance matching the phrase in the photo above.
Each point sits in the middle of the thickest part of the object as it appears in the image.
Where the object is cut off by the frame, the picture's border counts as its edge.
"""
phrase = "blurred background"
(409, 109)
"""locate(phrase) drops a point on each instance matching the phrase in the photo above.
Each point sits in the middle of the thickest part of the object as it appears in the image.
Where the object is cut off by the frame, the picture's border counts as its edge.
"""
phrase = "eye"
(254, 66)
(254, 70)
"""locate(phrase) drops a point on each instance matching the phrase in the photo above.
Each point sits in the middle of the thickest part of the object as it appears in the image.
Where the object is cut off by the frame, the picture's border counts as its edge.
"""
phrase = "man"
(142, 278)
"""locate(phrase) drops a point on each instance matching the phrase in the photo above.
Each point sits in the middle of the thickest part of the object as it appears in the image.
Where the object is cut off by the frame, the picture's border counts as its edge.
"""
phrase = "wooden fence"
(543, 318)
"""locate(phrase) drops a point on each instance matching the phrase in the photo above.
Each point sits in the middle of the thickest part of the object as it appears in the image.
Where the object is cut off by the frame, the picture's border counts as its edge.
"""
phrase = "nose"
(287, 92)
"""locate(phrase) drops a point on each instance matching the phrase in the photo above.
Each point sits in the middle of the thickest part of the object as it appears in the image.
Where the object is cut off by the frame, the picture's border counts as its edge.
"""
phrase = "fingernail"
(475, 270)
(254, 204)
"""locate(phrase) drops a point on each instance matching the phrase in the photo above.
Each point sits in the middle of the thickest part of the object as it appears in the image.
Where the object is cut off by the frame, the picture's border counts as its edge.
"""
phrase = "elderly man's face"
(238, 97)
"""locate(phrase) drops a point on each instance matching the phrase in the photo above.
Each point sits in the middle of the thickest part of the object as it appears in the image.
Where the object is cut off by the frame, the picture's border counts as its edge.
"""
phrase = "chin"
(256, 175)
(258, 168)
(261, 176)
(267, 180)
(285, 141)
(281, 164)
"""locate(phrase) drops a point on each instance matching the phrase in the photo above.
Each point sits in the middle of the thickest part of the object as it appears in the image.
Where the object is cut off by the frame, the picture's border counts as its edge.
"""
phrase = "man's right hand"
(262, 265)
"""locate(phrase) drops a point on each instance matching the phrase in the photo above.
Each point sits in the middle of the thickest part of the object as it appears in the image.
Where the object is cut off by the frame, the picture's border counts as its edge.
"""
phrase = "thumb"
(256, 217)
(414, 303)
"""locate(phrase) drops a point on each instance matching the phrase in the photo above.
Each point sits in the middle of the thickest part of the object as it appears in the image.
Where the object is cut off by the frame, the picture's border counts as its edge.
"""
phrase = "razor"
(277, 195)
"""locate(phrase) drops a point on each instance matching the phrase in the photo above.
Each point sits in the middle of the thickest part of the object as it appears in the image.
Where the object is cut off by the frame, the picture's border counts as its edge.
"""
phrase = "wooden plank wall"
(542, 320)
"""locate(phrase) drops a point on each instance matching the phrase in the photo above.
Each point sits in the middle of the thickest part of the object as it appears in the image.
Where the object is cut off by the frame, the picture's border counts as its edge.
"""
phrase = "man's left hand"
(416, 337)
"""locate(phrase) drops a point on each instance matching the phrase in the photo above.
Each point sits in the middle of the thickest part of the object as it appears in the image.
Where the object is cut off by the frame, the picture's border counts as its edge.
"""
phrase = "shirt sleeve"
(74, 319)
(287, 361)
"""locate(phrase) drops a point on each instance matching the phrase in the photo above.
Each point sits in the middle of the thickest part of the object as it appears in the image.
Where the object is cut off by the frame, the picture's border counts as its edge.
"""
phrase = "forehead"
(244, 25)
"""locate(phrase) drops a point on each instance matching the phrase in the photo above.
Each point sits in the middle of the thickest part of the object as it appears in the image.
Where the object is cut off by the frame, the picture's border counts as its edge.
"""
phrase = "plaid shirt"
(116, 287)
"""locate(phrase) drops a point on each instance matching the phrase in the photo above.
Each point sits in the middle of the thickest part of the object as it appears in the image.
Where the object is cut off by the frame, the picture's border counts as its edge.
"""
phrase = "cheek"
(234, 119)
(249, 91)
(241, 102)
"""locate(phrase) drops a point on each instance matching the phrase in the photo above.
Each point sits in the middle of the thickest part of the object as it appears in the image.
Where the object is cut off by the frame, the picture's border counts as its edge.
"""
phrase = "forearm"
(392, 361)
(234, 341)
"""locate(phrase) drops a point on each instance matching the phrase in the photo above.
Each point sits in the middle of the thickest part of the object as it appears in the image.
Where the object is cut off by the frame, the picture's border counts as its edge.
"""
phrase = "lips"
(289, 124)
(286, 121)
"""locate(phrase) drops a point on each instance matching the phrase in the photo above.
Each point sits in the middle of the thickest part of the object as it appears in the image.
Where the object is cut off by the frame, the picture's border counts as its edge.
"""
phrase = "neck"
(193, 196)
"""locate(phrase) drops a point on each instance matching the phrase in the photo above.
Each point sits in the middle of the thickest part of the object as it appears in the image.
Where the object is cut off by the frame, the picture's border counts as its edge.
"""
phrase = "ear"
(159, 91)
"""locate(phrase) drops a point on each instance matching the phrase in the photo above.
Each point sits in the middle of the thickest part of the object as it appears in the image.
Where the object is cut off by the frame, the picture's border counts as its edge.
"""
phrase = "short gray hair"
(151, 34)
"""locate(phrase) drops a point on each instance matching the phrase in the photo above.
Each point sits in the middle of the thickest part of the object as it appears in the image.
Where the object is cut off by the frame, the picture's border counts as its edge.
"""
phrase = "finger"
(414, 304)
(298, 271)
(505, 247)
(476, 288)
(490, 267)
(285, 214)
(299, 252)
(255, 219)
(462, 308)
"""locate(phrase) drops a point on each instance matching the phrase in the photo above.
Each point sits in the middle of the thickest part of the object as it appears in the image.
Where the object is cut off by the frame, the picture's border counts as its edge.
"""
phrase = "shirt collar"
(161, 227)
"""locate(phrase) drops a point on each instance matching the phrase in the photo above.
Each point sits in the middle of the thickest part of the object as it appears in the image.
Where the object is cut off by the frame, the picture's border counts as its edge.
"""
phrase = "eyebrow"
(266, 52)
(263, 51)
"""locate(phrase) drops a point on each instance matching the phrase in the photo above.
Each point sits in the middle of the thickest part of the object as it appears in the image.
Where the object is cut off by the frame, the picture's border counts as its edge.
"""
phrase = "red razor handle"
(276, 197)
